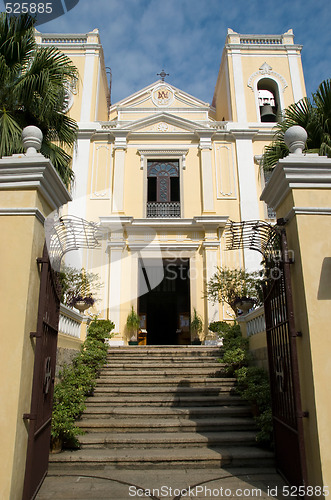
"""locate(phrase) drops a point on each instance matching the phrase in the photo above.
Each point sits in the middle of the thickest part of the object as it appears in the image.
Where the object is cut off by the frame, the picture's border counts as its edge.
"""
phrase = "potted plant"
(237, 287)
(196, 328)
(132, 325)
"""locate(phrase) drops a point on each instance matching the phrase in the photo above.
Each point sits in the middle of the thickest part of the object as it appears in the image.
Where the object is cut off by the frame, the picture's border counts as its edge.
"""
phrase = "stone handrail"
(70, 322)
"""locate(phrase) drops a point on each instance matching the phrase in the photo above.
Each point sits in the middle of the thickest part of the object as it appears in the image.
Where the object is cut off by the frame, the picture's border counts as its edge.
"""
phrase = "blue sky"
(186, 37)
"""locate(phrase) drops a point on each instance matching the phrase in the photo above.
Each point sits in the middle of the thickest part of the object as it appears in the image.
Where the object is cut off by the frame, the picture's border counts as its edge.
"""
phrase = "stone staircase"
(165, 406)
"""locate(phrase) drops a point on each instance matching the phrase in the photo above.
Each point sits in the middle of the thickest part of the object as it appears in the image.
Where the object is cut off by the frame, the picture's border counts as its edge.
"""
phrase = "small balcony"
(163, 209)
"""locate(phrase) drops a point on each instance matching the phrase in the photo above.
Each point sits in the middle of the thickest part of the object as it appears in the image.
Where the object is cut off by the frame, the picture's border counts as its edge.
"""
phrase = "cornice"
(307, 211)
(297, 172)
(35, 212)
(21, 172)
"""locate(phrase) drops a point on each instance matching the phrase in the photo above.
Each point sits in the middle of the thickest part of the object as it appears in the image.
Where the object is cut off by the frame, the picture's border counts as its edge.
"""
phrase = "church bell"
(267, 113)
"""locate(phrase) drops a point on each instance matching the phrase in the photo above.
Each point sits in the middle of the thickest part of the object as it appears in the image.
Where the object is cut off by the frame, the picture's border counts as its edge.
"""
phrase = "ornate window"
(163, 196)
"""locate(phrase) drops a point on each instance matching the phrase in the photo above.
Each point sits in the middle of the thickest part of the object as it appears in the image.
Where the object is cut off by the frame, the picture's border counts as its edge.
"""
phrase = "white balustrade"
(70, 322)
(255, 321)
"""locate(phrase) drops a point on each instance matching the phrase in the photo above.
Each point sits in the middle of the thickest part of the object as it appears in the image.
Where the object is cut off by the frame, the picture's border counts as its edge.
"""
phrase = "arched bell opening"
(269, 102)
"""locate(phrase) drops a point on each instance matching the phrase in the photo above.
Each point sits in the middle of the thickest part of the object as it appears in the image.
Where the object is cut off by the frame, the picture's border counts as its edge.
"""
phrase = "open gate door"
(287, 415)
(43, 380)
(284, 373)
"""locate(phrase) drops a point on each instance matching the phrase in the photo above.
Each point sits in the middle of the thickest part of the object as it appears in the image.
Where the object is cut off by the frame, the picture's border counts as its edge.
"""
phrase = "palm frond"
(10, 134)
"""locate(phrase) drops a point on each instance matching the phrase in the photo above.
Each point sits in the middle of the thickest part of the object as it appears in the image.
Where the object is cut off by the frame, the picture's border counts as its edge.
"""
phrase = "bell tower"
(260, 75)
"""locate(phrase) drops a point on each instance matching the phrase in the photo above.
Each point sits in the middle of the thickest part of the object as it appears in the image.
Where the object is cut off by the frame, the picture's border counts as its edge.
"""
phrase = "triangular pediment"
(160, 95)
(163, 123)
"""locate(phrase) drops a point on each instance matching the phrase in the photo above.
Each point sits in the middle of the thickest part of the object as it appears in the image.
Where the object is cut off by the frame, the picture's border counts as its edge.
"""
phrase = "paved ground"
(158, 484)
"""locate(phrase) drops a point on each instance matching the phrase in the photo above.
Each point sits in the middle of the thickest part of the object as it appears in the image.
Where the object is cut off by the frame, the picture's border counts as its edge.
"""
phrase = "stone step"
(161, 424)
(236, 456)
(156, 364)
(162, 372)
(164, 400)
(161, 440)
(164, 412)
(176, 381)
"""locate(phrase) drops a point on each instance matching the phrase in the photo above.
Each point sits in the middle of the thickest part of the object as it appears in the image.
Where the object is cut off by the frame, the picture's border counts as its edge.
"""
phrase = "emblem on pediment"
(162, 95)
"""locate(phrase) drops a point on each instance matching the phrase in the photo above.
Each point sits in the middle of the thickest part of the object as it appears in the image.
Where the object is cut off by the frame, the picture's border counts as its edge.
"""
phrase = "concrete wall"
(300, 191)
(30, 190)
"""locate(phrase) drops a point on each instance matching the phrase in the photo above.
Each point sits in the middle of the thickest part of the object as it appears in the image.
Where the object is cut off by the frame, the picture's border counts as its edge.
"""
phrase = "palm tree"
(33, 83)
(314, 115)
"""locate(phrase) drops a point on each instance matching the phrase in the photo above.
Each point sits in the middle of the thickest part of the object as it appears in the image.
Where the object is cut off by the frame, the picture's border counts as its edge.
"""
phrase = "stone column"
(30, 190)
(300, 192)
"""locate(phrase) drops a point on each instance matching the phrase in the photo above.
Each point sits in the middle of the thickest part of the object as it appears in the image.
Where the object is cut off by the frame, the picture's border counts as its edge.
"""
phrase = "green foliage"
(314, 115)
(252, 382)
(196, 324)
(229, 285)
(132, 322)
(77, 382)
(78, 284)
(33, 83)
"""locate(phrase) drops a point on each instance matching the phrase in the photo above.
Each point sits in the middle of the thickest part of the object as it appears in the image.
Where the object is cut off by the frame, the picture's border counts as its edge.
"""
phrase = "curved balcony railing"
(162, 209)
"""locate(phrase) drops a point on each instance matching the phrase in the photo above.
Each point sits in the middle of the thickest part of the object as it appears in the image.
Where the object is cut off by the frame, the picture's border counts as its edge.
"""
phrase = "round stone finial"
(295, 139)
(32, 138)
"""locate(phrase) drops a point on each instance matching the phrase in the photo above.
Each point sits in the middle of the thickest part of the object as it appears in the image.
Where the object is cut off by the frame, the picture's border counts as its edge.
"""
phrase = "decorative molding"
(295, 172)
(162, 153)
(24, 212)
(221, 167)
(266, 70)
(103, 193)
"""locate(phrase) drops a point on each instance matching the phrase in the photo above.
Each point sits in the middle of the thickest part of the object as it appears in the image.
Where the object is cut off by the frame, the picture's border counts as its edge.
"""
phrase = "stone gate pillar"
(30, 189)
(300, 192)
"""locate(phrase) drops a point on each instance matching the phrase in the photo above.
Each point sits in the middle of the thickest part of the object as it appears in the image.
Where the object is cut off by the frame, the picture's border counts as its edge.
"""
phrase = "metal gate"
(283, 366)
(43, 380)
(287, 414)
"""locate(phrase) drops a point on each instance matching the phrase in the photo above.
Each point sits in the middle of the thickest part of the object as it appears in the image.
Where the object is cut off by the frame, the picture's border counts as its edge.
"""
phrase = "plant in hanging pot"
(236, 287)
(77, 286)
(81, 302)
(196, 328)
(132, 325)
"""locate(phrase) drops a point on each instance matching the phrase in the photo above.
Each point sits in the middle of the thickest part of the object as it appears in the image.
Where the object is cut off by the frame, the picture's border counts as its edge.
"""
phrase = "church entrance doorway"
(165, 309)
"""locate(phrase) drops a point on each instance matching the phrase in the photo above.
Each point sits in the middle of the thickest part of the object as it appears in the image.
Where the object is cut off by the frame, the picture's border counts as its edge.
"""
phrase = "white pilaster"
(211, 252)
(115, 280)
(207, 172)
(239, 86)
(293, 60)
(120, 146)
(86, 108)
(249, 206)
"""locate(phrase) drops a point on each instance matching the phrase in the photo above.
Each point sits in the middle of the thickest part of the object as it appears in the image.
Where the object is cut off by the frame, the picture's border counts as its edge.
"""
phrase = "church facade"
(162, 173)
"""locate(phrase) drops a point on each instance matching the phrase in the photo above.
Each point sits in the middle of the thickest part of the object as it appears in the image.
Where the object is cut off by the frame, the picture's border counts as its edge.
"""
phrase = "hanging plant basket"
(244, 304)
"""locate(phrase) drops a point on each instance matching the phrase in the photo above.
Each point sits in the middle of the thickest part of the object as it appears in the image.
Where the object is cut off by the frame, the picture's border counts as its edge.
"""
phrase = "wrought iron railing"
(163, 209)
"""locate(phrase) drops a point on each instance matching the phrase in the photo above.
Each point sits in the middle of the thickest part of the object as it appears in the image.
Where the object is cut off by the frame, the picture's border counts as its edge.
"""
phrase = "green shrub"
(252, 382)
(77, 382)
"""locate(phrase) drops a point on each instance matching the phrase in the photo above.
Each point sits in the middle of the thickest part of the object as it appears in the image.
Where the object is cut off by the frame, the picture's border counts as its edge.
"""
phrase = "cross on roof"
(163, 74)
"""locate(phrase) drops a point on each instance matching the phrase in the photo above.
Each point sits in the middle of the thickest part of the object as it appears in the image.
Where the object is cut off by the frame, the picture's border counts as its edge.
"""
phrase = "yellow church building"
(161, 173)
